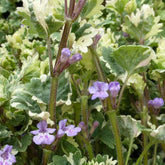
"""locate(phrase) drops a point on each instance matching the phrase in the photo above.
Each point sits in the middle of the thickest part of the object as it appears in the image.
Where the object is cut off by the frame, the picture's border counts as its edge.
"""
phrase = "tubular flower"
(75, 58)
(69, 130)
(156, 103)
(114, 88)
(6, 158)
(99, 90)
(65, 54)
(42, 135)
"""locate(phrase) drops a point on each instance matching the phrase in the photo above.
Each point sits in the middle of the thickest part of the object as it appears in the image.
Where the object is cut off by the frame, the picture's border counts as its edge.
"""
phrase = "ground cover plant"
(82, 82)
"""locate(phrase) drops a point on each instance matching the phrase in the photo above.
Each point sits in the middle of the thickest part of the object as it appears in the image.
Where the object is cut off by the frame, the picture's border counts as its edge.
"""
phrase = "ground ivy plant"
(82, 82)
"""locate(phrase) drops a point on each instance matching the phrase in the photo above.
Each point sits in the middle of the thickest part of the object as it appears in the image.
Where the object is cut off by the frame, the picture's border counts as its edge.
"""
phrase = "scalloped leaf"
(132, 57)
(59, 160)
(92, 7)
(159, 133)
(102, 160)
(76, 158)
(128, 126)
(143, 24)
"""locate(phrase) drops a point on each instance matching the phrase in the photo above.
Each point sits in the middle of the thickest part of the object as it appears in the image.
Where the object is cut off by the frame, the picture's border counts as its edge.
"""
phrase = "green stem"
(145, 138)
(50, 55)
(145, 142)
(112, 117)
(144, 152)
(98, 65)
(53, 97)
(121, 92)
(156, 144)
(155, 153)
(88, 147)
(45, 156)
(129, 151)
(84, 106)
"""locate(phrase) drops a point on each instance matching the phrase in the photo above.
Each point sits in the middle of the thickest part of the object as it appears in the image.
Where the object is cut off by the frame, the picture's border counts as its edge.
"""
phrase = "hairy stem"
(112, 117)
(53, 97)
(88, 147)
(84, 107)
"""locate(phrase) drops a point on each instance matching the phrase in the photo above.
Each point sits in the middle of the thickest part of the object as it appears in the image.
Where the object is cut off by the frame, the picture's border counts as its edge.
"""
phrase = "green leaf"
(111, 64)
(106, 136)
(59, 160)
(92, 7)
(137, 83)
(69, 145)
(117, 5)
(4, 133)
(76, 158)
(159, 133)
(21, 143)
(143, 24)
(132, 57)
(102, 160)
(128, 126)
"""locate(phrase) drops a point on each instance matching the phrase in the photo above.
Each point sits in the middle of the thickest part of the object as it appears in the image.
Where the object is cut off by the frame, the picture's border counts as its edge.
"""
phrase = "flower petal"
(43, 138)
(60, 133)
(48, 139)
(42, 125)
(35, 132)
(50, 130)
(62, 124)
(92, 90)
(73, 132)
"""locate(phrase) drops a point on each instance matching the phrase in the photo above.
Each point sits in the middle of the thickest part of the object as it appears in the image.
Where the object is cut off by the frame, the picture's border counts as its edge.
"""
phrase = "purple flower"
(62, 128)
(156, 102)
(69, 130)
(99, 90)
(43, 134)
(114, 88)
(6, 158)
(75, 58)
(65, 54)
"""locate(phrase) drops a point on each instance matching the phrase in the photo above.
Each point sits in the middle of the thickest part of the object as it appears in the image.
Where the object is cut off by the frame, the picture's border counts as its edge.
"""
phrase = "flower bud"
(114, 88)
(65, 54)
(125, 34)
(96, 39)
(156, 103)
(95, 124)
(81, 124)
(75, 58)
